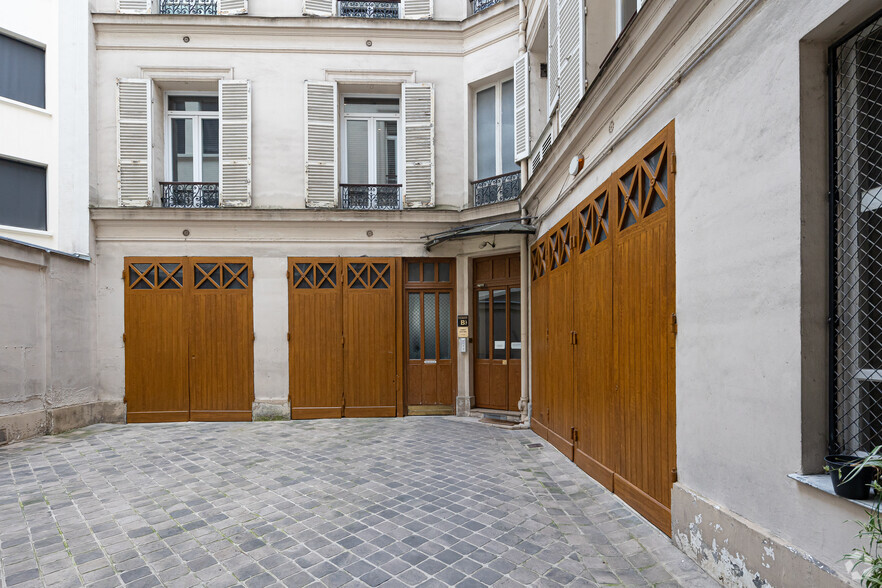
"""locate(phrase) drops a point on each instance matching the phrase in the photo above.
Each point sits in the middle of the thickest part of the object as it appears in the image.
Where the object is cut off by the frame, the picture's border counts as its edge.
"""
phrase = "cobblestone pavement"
(421, 501)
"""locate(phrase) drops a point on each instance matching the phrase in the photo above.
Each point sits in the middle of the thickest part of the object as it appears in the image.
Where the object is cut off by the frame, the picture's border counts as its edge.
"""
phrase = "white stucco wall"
(56, 136)
(741, 392)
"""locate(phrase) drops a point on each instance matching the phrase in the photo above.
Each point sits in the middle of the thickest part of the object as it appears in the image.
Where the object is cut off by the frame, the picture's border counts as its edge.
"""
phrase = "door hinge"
(288, 274)
(254, 336)
(673, 163)
(574, 338)
(574, 433)
(124, 274)
(673, 475)
(124, 337)
(289, 336)
(343, 341)
(674, 323)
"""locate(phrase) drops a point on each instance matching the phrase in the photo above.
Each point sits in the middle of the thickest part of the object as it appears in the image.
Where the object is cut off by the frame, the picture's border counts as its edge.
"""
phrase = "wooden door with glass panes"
(497, 332)
(429, 306)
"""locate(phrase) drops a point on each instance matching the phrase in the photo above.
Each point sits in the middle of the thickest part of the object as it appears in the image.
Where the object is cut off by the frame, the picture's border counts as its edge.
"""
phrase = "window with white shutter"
(319, 7)
(416, 9)
(419, 145)
(235, 142)
(571, 56)
(552, 56)
(134, 161)
(229, 7)
(134, 6)
(522, 107)
(321, 144)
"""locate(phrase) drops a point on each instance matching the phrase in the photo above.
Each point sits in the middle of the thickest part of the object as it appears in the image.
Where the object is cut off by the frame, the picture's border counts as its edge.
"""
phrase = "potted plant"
(866, 561)
(852, 476)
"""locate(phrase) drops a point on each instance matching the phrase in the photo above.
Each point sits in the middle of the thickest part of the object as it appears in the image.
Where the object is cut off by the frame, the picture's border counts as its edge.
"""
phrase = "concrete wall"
(748, 100)
(48, 381)
(56, 136)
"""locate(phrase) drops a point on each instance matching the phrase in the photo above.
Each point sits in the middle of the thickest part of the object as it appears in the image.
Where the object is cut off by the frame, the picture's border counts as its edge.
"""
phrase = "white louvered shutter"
(321, 144)
(419, 145)
(571, 39)
(416, 9)
(522, 106)
(134, 6)
(227, 7)
(552, 56)
(235, 142)
(319, 7)
(134, 161)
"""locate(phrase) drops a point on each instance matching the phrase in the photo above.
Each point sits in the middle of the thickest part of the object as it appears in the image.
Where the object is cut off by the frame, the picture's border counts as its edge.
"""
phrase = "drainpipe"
(524, 403)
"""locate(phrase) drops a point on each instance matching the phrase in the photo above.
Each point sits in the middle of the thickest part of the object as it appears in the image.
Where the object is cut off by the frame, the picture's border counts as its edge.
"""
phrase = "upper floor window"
(625, 10)
(22, 195)
(856, 280)
(370, 153)
(496, 171)
(192, 156)
(195, 7)
(409, 9)
(187, 6)
(22, 72)
(362, 9)
(479, 5)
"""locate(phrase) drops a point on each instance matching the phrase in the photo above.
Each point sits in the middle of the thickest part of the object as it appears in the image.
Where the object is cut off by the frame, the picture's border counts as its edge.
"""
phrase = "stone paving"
(421, 501)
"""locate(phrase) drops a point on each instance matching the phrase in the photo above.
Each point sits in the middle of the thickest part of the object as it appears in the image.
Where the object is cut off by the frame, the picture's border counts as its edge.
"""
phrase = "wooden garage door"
(315, 315)
(560, 339)
(369, 327)
(221, 340)
(156, 332)
(343, 339)
(189, 339)
(643, 295)
(539, 336)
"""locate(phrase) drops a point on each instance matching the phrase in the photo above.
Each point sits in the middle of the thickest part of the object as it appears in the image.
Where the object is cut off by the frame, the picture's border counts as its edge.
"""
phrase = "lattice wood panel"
(368, 275)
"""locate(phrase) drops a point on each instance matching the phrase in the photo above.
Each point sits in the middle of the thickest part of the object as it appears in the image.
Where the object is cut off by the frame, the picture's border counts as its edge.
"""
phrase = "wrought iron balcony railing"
(479, 5)
(362, 9)
(190, 195)
(187, 6)
(370, 196)
(497, 189)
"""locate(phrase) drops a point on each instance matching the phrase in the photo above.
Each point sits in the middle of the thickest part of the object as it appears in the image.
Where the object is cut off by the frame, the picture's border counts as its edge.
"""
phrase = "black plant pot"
(857, 486)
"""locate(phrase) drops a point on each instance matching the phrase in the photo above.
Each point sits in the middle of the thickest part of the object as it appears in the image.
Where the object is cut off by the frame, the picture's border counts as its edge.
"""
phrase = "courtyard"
(420, 501)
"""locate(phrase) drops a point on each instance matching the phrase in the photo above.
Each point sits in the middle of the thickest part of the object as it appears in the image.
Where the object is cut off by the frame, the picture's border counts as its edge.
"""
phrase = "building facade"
(644, 228)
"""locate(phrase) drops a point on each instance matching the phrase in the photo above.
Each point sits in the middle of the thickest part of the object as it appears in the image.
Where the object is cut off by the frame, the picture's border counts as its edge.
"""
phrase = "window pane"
(444, 325)
(508, 155)
(22, 72)
(429, 321)
(210, 160)
(486, 133)
(413, 330)
(428, 272)
(22, 195)
(387, 152)
(482, 328)
(370, 105)
(627, 8)
(413, 272)
(182, 150)
(443, 272)
(514, 317)
(357, 171)
(498, 324)
(193, 103)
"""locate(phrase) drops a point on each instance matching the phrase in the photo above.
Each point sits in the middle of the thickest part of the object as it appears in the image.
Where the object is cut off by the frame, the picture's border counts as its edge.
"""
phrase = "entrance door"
(561, 339)
(189, 339)
(497, 348)
(429, 304)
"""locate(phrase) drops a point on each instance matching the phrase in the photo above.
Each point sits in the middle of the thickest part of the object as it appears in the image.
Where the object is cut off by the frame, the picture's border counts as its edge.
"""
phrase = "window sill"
(25, 106)
(25, 231)
(823, 483)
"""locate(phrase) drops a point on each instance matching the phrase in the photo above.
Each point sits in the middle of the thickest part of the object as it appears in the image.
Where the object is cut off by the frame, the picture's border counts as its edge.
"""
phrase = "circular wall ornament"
(576, 164)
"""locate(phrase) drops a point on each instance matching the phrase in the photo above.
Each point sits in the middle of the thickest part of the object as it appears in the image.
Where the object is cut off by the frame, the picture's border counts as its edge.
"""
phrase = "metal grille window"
(856, 239)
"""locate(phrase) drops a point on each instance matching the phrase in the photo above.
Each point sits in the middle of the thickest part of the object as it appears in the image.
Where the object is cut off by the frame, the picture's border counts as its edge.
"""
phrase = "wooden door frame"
(421, 287)
(498, 283)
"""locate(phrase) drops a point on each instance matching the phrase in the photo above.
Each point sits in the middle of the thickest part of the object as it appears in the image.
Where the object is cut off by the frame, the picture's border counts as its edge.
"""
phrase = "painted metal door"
(156, 334)
(370, 337)
(429, 307)
(315, 333)
(221, 339)
(497, 341)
